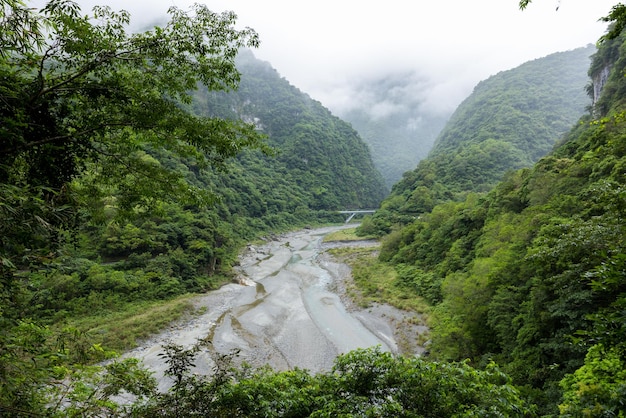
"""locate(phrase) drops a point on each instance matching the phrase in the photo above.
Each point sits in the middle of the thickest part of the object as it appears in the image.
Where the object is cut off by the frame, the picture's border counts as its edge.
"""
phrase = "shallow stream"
(284, 316)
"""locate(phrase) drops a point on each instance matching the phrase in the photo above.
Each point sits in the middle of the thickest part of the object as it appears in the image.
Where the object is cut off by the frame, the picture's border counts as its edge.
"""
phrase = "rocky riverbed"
(289, 309)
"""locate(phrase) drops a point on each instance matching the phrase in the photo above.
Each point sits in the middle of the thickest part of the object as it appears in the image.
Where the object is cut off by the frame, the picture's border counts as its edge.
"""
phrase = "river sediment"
(290, 310)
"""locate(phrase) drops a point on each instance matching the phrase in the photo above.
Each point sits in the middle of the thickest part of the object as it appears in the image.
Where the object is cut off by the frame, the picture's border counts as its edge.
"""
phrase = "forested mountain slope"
(508, 122)
(325, 162)
(317, 166)
(532, 273)
(106, 181)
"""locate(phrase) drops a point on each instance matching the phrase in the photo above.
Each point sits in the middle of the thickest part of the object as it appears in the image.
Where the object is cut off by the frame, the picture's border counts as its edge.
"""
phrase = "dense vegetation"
(509, 121)
(127, 180)
(361, 383)
(321, 162)
(155, 216)
(531, 274)
(122, 187)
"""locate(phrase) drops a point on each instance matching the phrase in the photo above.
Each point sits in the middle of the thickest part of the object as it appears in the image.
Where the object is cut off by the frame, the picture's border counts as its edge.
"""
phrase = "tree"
(20, 27)
(79, 95)
(616, 17)
(362, 383)
(598, 388)
(85, 94)
(86, 89)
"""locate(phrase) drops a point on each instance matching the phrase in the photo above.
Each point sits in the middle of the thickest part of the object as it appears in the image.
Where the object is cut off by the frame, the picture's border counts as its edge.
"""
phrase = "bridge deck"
(355, 212)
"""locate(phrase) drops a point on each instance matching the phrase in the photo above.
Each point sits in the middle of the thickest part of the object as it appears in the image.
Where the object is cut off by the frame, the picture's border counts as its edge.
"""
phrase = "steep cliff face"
(606, 73)
(599, 80)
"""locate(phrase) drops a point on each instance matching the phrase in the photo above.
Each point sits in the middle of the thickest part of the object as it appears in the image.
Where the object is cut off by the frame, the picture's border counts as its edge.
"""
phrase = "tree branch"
(69, 137)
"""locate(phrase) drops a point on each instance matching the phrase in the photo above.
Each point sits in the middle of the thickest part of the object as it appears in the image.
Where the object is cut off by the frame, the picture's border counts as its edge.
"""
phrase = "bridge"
(352, 213)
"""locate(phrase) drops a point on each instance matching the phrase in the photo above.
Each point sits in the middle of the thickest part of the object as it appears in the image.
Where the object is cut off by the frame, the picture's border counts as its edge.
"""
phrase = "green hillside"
(133, 241)
(527, 106)
(321, 162)
(531, 274)
(123, 190)
(508, 122)
(123, 187)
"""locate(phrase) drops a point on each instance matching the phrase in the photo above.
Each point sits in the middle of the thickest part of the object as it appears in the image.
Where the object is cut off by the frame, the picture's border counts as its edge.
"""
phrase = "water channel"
(285, 315)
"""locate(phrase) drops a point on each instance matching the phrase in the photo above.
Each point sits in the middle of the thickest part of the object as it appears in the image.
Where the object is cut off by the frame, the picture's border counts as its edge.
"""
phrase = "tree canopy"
(83, 88)
(362, 383)
(128, 177)
(509, 121)
(531, 273)
(78, 91)
(78, 95)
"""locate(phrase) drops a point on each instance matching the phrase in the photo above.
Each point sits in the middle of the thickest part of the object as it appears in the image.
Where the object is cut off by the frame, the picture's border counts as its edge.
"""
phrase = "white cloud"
(327, 47)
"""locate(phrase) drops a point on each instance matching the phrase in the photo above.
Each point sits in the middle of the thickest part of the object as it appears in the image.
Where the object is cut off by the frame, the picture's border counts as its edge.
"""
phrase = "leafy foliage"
(87, 94)
(531, 273)
(108, 157)
(78, 94)
(321, 162)
(124, 181)
(509, 121)
(598, 388)
(361, 383)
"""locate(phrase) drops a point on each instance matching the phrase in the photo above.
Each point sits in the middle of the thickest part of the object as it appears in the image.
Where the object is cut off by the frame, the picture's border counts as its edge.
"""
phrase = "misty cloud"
(331, 50)
(392, 94)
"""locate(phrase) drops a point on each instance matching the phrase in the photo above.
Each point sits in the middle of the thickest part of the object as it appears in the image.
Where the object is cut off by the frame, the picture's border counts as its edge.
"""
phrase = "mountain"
(526, 279)
(509, 121)
(530, 274)
(394, 118)
(121, 255)
(324, 161)
(527, 107)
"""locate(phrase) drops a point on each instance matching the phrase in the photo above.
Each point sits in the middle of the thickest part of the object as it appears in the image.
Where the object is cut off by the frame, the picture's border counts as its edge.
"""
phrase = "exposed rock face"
(244, 281)
(599, 80)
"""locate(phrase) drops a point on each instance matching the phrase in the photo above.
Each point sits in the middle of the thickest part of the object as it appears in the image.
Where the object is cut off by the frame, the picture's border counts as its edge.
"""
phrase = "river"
(286, 314)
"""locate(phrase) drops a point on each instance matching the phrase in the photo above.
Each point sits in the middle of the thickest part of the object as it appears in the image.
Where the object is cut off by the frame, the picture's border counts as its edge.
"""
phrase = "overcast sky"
(326, 47)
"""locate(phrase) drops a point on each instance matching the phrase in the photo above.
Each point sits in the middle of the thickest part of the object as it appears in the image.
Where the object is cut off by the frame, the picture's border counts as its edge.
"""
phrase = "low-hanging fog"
(408, 64)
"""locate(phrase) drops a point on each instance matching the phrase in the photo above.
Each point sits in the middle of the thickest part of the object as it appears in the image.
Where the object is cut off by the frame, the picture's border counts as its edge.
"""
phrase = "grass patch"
(348, 234)
(376, 281)
(121, 330)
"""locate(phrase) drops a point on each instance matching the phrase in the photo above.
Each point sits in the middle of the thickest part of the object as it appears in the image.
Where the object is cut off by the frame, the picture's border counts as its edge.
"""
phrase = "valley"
(165, 231)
